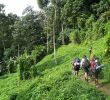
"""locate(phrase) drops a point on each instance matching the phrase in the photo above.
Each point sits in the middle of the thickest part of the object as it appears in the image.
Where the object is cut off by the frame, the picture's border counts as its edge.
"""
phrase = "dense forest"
(26, 40)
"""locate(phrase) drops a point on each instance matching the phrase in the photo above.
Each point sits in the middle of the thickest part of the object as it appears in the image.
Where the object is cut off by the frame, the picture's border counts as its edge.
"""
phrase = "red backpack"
(93, 64)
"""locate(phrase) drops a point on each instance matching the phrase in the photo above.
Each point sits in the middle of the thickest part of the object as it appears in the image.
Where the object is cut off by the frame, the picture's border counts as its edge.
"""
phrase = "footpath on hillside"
(102, 86)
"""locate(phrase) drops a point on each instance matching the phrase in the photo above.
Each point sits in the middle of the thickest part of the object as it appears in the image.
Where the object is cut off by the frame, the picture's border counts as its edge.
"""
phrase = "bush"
(25, 63)
(75, 37)
(106, 70)
(107, 53)
(12, 66)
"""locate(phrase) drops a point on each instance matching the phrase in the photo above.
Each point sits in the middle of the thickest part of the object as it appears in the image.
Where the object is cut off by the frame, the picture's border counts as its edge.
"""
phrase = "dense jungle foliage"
(36, 49)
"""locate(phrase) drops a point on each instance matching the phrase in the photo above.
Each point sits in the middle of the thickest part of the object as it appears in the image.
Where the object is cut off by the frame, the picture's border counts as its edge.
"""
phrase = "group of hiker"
(91, 67)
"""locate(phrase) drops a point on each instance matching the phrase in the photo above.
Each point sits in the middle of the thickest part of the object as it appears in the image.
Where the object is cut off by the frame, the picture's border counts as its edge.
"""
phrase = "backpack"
(98, 66)
(76, 62)
(86, 63)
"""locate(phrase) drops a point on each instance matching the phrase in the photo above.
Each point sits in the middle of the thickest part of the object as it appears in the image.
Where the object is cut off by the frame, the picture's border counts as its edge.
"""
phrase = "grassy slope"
(10, 85)
(56, 81)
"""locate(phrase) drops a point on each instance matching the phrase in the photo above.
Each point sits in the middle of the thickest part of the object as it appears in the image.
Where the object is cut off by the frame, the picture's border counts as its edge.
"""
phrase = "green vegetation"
(56, 80)
(68, 28)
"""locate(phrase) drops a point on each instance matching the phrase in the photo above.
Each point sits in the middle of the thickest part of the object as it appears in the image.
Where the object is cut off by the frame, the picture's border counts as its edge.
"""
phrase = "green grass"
(10, 85)
(55, 81)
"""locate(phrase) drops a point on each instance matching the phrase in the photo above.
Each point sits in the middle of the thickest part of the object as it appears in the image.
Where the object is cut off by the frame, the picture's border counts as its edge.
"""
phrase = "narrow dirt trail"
(105, 90)
(102, 87)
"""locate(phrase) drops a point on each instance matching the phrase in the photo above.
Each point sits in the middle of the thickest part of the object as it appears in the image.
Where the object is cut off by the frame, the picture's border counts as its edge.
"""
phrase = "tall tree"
(43, 5)
(3, 25)
(57, 5)
(28, 32)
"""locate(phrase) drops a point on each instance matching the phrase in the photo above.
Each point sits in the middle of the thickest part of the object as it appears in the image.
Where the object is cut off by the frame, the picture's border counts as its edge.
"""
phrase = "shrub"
(75, 37)
(11, 66)
(25, 63)
(107, 53)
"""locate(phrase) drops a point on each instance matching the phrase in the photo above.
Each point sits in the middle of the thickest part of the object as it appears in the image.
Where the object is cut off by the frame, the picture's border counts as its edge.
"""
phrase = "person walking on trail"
(92, 67)
(90, 53)
(90, 50)
(96, 68)
(85, 64)
(76, 66)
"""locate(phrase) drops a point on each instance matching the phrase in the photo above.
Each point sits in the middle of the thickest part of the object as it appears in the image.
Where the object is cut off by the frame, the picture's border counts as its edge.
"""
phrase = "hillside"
(55, 81)
(37, 50)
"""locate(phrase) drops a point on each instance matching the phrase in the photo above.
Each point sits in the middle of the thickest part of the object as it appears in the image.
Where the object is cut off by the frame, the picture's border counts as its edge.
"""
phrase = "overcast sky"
(17, 6)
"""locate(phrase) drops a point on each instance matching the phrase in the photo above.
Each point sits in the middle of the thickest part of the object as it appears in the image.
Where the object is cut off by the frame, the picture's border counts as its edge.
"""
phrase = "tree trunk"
(8, 69)
(54, 44)
(63, 39)
(47, 39)
(47, 44)
(3, 44)
(18, 50)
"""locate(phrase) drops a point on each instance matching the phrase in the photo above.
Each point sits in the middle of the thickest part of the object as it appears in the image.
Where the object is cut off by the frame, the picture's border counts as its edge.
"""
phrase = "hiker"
(91, 53)
(96, 68)
(76, 66)
(92, 67)
(90, 50)
(85, 64)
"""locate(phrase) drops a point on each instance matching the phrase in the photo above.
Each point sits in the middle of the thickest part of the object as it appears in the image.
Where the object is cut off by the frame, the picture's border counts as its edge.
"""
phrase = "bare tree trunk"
(47, 44)
(3, 44)
(8, 69)
(63, 39)
(54, 44)
(47, 39)
(18, 50)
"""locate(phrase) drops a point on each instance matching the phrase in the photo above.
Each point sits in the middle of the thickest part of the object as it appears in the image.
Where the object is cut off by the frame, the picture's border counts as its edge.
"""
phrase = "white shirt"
(82, 61)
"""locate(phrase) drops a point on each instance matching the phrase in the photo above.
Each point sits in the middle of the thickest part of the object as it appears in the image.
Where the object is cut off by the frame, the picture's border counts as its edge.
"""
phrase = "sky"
(17, 6)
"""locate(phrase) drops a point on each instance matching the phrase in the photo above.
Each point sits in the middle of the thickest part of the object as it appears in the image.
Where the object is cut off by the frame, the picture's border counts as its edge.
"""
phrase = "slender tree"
(43, 5)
